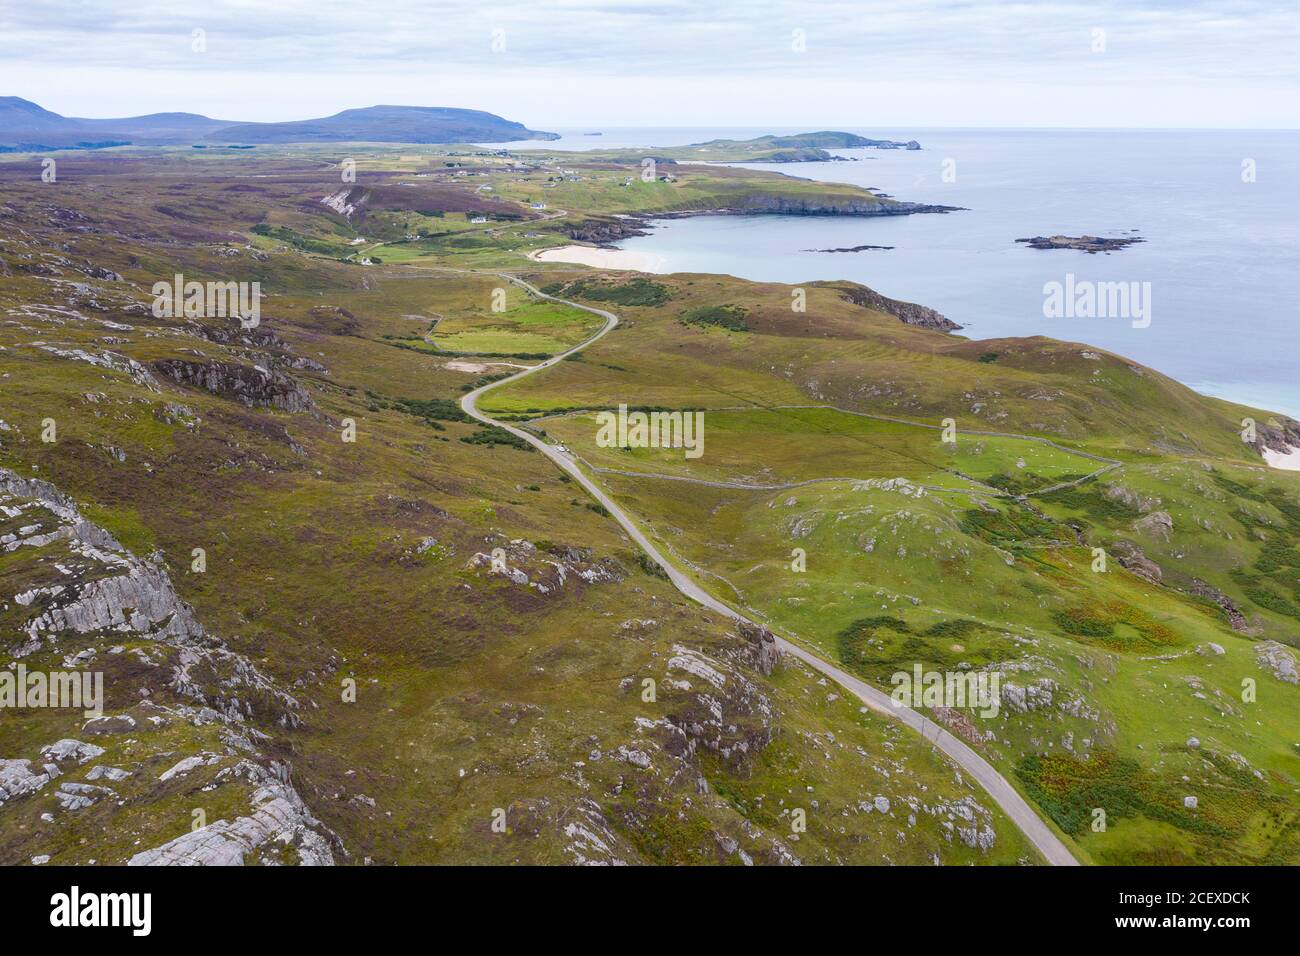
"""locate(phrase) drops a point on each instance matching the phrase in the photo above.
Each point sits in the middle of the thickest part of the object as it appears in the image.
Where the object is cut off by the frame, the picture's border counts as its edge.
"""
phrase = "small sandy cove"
(1290, 461)
(602, 258)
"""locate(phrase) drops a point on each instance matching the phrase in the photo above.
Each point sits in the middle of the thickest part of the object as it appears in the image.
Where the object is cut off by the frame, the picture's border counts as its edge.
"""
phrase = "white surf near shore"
(603, 258)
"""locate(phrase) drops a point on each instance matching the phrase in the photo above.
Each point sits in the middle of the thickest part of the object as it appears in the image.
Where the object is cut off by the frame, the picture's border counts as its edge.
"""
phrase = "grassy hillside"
(408, 622)
(1130, 687)
(420, 628)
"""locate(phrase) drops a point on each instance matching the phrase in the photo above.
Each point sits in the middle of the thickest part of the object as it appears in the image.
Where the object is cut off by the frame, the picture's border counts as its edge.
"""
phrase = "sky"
(570, 63)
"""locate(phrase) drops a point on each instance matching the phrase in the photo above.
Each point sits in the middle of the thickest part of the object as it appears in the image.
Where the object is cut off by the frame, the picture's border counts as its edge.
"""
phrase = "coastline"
(969, 267)
(613, 258)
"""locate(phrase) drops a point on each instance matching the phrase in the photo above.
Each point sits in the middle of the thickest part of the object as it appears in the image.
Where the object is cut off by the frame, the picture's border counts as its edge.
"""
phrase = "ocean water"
(1221, 255)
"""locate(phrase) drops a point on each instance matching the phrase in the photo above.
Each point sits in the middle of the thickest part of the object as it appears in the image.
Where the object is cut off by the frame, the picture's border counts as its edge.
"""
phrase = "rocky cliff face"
(760, 204)
(908, 312)
(604, 232)
(178, 729)
(1279, 434)
(607, 231)
(249, 385)
(764, 655)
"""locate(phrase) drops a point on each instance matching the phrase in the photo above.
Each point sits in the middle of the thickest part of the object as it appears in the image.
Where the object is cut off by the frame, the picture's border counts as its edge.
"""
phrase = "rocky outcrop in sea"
(1091, 244)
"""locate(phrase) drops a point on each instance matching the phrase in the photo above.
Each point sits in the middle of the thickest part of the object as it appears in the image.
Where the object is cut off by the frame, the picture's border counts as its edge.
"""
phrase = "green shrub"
(491, 435)
(637, 292)
(442, 409)
(731, 317)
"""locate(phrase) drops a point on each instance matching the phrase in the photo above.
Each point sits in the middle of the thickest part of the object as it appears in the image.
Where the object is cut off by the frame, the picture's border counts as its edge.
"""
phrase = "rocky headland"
(606, 231)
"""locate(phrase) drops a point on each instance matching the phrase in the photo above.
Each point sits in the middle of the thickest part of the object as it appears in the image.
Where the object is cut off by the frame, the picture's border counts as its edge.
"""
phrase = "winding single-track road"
(1006, 796)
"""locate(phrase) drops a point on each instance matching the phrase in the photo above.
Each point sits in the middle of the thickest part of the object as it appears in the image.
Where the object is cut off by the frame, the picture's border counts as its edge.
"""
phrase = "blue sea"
(1221, 252)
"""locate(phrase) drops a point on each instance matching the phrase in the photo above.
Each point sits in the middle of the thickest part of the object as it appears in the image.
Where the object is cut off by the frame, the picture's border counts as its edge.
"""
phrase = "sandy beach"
(602, 258)
(1290, 461)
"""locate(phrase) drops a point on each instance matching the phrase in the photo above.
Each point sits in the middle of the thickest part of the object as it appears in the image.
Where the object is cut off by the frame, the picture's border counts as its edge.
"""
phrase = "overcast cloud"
(727, 62)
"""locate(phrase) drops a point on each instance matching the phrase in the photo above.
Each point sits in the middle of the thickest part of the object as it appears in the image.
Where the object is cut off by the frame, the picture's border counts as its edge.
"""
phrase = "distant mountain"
(26, 126)
(386, 124)
(18, 113)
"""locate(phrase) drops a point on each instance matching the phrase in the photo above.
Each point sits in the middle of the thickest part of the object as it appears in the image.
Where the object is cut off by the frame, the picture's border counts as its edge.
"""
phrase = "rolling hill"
(26, 126)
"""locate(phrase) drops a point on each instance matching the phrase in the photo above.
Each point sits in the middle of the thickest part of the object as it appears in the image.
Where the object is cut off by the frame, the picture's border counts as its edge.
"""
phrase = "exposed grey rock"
(638, 758)
(109, 360)
(1158, 524)
(118, 724)
(106, 587)
(1129, 497)
(1278, 660)
(132, 595)
(69, 749)
(1036, 696)
(1131, 557)
(139, 599)
(977, 837)
(592, 842)
(1279, 434)
(692, 662)
(279, 815)
(73, 525)
(907, 312)
(112, 773)
(546, 572)
(727, 713)
(78, 796)
(174, 413)
(17, 779)
(1090, 244)
(761, 644)
(1236, 620)
(246, 384)
(183, 767)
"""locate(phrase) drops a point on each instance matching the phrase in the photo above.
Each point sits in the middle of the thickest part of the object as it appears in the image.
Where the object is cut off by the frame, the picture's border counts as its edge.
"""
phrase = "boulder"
(1278, 660)
(761, 647)
(1158, 524)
